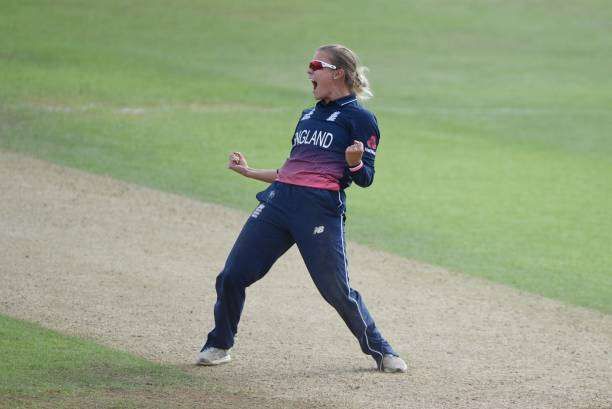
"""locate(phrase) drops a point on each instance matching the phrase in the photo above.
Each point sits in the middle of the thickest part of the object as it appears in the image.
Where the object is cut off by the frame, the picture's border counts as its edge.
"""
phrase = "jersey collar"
(339, 102)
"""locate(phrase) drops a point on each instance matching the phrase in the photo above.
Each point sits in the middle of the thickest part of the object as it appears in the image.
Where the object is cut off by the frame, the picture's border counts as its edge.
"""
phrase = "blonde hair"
(354, 73)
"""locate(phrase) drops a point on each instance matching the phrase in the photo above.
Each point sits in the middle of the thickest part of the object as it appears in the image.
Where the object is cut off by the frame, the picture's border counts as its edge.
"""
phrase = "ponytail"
(362, 84)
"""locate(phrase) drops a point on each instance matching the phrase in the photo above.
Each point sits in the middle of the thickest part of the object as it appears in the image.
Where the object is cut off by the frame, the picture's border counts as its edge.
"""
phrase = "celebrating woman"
(334, 145)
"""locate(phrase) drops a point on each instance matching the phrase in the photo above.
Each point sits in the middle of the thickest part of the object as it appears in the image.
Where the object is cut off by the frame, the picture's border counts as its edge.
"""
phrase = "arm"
(360, 172)
(361, 154)
(360, 169)
(238, 163)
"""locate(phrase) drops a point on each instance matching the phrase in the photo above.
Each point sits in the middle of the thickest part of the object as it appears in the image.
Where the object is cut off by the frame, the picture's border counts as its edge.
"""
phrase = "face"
(323, 82)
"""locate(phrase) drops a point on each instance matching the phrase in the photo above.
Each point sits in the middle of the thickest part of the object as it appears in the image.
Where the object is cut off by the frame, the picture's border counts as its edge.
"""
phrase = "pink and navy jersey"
(320, 139)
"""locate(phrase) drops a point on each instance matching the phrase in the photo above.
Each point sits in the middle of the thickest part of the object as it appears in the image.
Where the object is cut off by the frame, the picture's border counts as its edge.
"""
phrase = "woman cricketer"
(334, 145)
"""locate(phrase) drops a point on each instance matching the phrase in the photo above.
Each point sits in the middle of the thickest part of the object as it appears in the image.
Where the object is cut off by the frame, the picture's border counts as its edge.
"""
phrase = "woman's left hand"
(354, 153)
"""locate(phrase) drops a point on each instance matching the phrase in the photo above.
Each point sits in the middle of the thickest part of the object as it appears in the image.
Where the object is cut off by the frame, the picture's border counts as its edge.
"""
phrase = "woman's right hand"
(238, 163)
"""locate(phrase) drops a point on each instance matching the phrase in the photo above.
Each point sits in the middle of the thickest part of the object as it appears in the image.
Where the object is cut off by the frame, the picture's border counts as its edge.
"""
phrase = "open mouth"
(314, 84)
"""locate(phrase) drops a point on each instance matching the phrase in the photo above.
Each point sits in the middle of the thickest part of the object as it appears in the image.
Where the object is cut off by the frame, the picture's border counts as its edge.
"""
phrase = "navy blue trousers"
(314, 220)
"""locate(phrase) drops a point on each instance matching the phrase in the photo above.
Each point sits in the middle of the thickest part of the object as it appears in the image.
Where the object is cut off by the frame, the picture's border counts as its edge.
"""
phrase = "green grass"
(496, 117)
(39, 367)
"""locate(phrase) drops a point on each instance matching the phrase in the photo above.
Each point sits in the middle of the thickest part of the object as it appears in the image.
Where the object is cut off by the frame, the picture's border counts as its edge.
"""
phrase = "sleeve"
(365, 129)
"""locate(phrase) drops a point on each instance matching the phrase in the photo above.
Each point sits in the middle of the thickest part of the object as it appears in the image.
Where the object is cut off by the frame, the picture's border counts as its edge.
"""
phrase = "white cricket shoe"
(213, 356)
(392, 363)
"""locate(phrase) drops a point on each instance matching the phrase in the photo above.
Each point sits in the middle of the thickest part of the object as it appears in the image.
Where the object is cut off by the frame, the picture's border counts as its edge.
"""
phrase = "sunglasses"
(316, 65)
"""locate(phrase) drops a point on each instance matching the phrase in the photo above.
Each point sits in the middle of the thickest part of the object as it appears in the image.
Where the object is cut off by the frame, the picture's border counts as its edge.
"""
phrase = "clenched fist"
(354, 153)
(237, 163)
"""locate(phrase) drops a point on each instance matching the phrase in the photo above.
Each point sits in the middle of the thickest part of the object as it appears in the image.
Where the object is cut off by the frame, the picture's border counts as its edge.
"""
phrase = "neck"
(337, 93)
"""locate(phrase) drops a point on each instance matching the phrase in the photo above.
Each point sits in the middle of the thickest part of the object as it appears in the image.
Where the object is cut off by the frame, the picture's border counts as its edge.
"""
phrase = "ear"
(339, 73)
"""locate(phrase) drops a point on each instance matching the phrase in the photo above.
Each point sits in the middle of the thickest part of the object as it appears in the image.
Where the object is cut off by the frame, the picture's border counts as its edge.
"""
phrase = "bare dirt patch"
(134, 268)
(171, 398)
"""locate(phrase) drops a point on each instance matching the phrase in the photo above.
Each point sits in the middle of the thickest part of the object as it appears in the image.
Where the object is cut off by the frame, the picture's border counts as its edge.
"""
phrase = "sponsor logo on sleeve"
(372, 142)
(371, 145)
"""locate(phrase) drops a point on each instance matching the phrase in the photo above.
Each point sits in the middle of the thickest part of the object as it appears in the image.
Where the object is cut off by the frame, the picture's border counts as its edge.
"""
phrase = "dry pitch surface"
(134, 268)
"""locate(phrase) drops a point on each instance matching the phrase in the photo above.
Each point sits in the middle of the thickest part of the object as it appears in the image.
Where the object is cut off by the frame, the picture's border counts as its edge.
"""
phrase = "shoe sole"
(395, 370)
(220, 361)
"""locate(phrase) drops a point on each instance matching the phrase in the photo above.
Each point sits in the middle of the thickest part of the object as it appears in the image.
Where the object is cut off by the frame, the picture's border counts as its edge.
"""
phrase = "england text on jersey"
(310, 137)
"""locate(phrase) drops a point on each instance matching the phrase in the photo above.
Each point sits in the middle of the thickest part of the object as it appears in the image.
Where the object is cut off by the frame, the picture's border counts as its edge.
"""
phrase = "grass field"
(496, 117)
(41, 368)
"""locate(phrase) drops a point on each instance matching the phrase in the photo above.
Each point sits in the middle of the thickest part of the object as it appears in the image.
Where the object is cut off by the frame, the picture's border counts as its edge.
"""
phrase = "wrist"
(355, 167)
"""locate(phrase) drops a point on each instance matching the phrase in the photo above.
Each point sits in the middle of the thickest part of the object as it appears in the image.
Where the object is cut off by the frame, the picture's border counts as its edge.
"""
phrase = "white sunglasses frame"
(325, 64)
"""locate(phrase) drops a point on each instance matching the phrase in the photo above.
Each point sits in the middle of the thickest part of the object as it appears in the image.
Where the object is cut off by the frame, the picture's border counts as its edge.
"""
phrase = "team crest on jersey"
(333, 116)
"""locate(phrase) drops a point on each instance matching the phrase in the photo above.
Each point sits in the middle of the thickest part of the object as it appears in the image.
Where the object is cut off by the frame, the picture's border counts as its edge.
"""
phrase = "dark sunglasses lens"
(315, 65)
